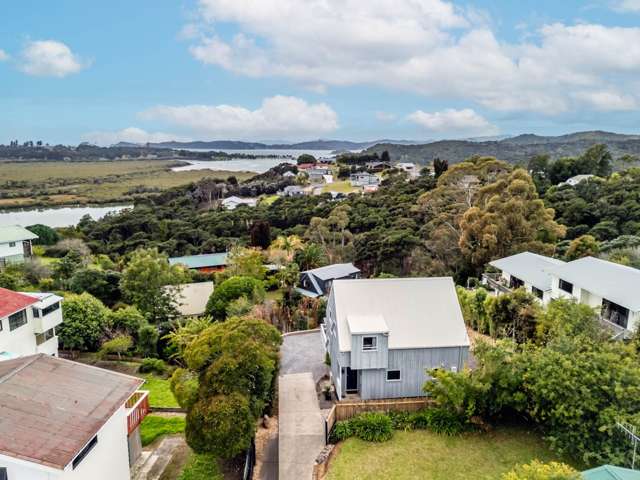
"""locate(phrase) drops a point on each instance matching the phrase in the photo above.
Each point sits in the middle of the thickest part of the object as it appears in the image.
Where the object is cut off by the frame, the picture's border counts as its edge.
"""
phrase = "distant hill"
(516, 150)
(237, 145)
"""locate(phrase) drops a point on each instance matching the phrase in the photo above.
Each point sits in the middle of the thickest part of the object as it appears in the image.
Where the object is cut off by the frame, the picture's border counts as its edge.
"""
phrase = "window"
(614, 313)
(537, 292)
(565, 286)
(369, 344)
(515, 282)
(43, 337)
(12, 244)
(50, 308)
(17, 320)
(3, 473)
(393, 375)
(85, 451)
(36, 312)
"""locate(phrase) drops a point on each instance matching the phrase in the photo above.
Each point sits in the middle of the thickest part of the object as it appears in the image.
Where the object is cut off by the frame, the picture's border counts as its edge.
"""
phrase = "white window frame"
(395, 379)
(375, 344)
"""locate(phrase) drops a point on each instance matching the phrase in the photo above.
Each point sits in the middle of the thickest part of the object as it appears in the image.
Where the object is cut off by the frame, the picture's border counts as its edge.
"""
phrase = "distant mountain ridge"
(241, 145)
(518, 149)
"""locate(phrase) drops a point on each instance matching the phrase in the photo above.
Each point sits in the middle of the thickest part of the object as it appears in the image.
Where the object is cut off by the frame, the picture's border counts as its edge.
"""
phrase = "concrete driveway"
(301, 435)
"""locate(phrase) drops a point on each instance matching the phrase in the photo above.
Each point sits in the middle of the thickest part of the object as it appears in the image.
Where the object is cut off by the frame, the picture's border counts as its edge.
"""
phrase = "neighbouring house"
(231, 203)
(575, 180)
(294, 191)
(191, 298)
(526, 269)
(370, 188)
(28, 323)
(63, 420)
(410, 168)
(205, 263)
(288, 174)
(377, 167)
(612, 288)
(383, 335)
(610, 472)
(317, 282)
(363, 179)
(15, 244)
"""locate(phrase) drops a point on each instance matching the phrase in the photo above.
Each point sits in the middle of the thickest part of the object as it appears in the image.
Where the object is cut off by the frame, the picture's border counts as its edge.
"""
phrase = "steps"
(152, 463)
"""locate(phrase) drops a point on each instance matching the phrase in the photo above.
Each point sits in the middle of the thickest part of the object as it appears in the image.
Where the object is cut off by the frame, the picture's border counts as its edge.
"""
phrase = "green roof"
(15, 233)
(609, 472)
(201, 261)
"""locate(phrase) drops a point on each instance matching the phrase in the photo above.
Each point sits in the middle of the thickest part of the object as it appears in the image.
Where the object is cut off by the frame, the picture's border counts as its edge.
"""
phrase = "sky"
(291, 70)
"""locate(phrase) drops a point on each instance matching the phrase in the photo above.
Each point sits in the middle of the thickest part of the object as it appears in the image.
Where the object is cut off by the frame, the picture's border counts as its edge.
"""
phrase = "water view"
(258, 165)
(56, 217)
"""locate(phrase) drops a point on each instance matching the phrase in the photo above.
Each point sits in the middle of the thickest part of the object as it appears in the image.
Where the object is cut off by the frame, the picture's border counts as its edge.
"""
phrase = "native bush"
(153, 365)
(372, 427)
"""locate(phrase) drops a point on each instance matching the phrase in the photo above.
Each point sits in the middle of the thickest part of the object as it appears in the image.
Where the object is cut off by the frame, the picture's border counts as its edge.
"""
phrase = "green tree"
(229, 290)
(306, 158)
(514, 315)
(102, 284)
(310, 256)
(332, 235)
(247, 262)
(67, 267)
(127, 320)
(46, 235)
(583, 246)
(117, 345)
(564, 317)
(85, 322)
(147, 282)
(148, 336)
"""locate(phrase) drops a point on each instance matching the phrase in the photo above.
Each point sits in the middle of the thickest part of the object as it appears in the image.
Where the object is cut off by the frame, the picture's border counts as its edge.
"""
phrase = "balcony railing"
(496, 282)
(617, 332)
(137, 408)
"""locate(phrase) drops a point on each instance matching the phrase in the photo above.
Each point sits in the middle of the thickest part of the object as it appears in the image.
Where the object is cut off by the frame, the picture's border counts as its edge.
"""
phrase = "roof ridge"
(19, 368)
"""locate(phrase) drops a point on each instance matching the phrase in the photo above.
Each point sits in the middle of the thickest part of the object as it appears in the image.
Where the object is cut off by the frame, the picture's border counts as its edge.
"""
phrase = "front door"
(352, 381)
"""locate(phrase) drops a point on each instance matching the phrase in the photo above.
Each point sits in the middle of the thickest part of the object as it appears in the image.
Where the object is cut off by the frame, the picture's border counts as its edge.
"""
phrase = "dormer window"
(369, 344)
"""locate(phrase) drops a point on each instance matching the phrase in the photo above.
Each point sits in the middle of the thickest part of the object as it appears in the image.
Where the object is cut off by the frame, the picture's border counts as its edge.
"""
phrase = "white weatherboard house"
(231, 203)
(15, 244)
(612, 288)
(383, 335)
(63, 420)
(28, 323)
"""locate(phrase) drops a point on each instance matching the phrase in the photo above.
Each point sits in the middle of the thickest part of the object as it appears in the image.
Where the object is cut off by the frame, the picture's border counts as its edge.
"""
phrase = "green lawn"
(154, 426)
(423, 454)
(340, 187)
(201, 467)
(160, 394)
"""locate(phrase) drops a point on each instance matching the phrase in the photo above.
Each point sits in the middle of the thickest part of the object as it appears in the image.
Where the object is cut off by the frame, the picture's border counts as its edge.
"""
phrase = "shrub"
(148, 340)
(443, 421)
(403, 420)
(537, 470)
(373, 427)
(152, 365)
(229, 290)
(341, 431)
(118, 345)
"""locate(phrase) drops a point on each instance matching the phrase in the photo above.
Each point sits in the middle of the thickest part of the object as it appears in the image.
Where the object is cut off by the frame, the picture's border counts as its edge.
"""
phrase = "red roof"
(306, 166)
(12, 302)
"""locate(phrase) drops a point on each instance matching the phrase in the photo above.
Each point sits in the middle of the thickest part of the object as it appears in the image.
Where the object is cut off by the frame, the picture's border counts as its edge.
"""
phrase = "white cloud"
(627, 6)
(132, 135)
(430, 47)
(278, 116)
(51, 59)
(3, 55)
(458, 122)
(607, 100)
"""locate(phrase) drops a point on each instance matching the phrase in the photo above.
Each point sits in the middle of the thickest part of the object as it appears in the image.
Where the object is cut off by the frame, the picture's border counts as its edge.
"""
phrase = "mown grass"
(340, 187)
(154, 426)
(160, 394)
(423, 454)
(201, 467)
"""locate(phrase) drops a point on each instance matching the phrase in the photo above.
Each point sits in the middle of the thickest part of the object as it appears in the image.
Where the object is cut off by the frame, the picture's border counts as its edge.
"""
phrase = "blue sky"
(301, 69)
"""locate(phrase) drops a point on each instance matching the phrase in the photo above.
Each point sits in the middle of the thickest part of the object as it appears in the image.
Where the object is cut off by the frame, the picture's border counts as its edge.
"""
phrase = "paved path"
(303, 352)
(301, 436)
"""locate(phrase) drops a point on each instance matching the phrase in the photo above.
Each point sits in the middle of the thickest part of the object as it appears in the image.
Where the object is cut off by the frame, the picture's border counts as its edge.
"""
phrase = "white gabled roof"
(418, 312)
(529, 267)
(616, 283)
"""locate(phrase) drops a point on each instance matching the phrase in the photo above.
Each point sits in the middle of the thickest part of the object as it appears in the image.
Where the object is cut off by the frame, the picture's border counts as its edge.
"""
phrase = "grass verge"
(154, 426)
(201, 467)
(160, 394)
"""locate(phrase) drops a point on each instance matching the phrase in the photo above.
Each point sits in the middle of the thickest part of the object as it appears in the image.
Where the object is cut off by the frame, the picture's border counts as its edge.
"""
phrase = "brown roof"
(50, 408)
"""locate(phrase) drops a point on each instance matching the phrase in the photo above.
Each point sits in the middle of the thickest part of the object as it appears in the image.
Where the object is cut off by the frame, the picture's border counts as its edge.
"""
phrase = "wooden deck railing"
(137, 408)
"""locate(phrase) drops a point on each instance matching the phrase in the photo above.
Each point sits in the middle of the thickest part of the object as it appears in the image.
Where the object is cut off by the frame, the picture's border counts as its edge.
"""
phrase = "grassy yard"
(423, 454)
(154, 426)
(201, 467)
(160, 394)
(340, 187)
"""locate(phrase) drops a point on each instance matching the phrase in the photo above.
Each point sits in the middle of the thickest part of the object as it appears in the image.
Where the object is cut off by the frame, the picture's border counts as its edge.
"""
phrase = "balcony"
(47, 321)
(496, 282)
(137, 408)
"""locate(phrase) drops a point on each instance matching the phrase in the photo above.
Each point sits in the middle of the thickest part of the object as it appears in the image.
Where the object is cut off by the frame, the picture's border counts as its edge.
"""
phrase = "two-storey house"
(63, 420)
(28, 323)
(384, 335)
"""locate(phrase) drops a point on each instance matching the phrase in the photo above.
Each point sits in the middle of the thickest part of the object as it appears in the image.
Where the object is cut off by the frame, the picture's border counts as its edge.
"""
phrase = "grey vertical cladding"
(362, 360)
(413, 364)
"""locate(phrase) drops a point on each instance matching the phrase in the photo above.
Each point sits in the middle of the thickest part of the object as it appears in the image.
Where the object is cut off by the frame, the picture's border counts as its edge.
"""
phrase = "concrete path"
(303, 352)
(301, 436)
